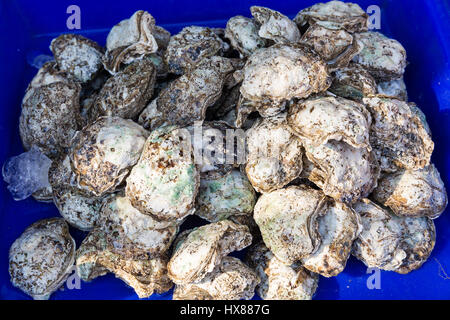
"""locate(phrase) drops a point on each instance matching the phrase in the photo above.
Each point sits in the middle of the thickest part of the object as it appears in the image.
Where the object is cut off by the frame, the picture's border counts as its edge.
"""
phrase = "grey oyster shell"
(198, 251)
(42, 257)
(243, 35)
(278, 280)
(230, 280)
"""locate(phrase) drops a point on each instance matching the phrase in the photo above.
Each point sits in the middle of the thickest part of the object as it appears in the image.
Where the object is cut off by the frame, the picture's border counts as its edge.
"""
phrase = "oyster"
(399, 134)
(353, 82)
(103, 153)
(338, 228)
(334, 15)
(393, 89)
(78, 56)
(230, 280)
(243, 35)
(289, 221)
(222, 196)
(144, 272)
(274, 154)
(275, 26)
(384, 58)
(127, 93)
(190, 47)
(42, 257)
(336, 47)
(392, 243)
(200, 250)
(344, 172)
(275, 75)
(131, 40)
(413, 193)
(278, 280)
(165, 181)
(134, 229)
(50, 112)
(331, 118)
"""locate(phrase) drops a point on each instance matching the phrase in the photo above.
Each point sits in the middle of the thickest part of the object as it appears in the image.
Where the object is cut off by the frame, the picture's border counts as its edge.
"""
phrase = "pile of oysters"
(327, 158)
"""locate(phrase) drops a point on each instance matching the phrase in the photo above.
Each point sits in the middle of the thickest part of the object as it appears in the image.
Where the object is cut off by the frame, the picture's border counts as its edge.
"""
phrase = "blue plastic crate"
(423, 27)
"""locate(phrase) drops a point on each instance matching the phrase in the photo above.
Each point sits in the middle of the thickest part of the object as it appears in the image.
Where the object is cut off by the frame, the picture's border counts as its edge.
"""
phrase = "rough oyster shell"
(243, 35)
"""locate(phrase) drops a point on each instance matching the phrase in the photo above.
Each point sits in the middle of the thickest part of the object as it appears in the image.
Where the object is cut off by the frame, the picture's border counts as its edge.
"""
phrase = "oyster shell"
(50, 112)
(127, 93)
(275, 75)
(190, 47)
(289, 221)
(185, 100)
(145, 273)
(222, 196)
(384, 58)
(274, 154)
(338, 228)
(164, 183)
(399, 134)
(103, 153)
(133, 229)
(230, 280)
(131, 40)
(353, 82)
(278, 280)
(334, 15)
(243, 35)
(78, 56)
(393, 89)
(392, 243)
(275, 26)
(413, 193)
(200, 250)
(322, 119)
(41, 258)
(343, 172)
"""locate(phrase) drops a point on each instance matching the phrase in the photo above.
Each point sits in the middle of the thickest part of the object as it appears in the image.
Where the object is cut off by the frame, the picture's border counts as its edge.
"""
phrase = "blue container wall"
(423, 27)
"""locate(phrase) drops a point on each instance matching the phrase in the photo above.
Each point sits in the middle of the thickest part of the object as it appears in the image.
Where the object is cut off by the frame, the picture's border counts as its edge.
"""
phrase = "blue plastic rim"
(423, 27)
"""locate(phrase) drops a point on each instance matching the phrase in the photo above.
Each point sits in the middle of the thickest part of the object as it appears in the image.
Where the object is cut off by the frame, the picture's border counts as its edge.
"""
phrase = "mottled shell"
(343, 172)
(191, 46)
(353, 82)
(103, 153)
(185, 100)
(393, 89)
(384, 58)
(336, 47)
(338, 228)
(281, 72)
(143, 272)
(243, 35)
(275, 26)
(222, 196)
(130, 40)
(50, 112)
(274, 154)
(278, 280)
(413, 193)
(134, 229)
(392, 243)
(79, 210)
(230, 280)
(164, 183)
(334, 15)
(331, 118)
(41, 258)
(399, 134)
(78, 56)
(202, 249)
(126, 93)
(288, 220)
